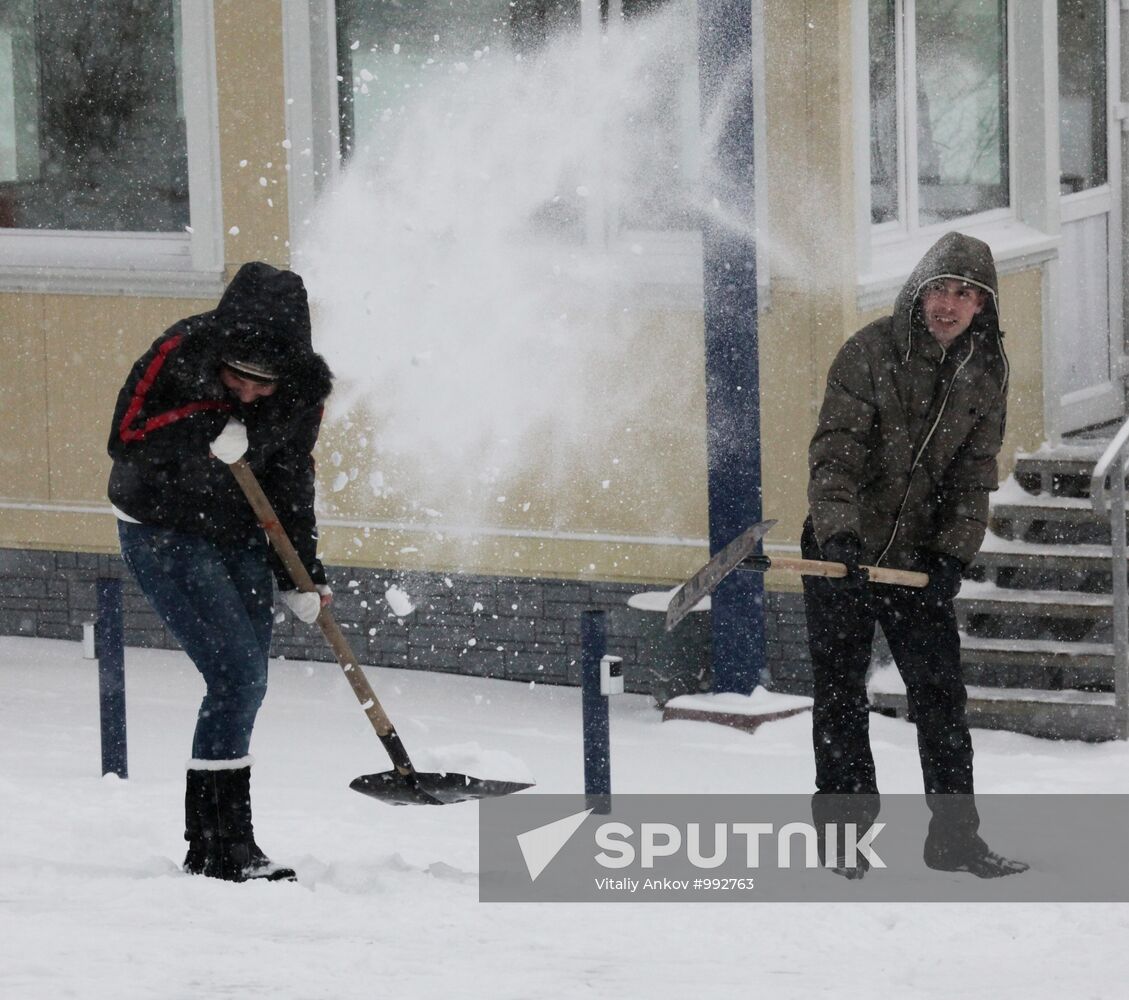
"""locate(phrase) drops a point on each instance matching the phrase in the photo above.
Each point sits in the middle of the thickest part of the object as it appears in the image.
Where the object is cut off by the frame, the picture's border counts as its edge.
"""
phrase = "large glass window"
(884, 135)
(596, 104)
(92, 129)
(938, 110)
(1082, 94)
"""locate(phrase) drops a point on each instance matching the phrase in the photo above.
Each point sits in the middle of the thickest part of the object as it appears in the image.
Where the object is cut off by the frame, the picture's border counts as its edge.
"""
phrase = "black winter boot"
(983, 864)
(199, 821)
(954, 845)
(832, 814)
(236, 856)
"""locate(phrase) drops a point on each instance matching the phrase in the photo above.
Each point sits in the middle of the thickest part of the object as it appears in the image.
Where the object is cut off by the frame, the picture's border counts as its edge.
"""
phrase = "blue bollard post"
(597, 750)
(733, 443)
(109, 648)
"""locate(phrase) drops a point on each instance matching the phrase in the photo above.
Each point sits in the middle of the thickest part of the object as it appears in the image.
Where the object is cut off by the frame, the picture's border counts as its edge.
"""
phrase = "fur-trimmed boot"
(226, 847)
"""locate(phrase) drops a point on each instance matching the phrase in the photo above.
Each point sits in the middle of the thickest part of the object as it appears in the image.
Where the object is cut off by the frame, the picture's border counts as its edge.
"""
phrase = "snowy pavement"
(92, 903)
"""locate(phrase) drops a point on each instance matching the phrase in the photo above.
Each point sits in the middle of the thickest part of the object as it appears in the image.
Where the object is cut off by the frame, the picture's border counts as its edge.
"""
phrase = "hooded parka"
(904, 454)
(173, 405)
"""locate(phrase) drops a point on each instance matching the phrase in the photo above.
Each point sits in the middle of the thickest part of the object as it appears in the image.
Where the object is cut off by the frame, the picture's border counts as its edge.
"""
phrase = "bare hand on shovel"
(405, 785)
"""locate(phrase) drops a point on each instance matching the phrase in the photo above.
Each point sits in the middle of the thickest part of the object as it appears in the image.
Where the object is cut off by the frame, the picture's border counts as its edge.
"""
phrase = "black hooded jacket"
(173, 405)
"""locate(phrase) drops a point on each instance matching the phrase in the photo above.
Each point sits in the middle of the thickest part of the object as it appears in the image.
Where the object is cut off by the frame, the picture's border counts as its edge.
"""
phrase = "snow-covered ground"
(93, 903)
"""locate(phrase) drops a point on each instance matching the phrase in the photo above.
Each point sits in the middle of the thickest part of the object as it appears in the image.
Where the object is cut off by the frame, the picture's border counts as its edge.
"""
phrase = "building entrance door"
(1086, 369)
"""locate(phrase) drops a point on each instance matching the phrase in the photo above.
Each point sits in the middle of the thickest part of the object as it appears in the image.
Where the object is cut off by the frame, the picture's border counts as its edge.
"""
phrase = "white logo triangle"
(543, 843)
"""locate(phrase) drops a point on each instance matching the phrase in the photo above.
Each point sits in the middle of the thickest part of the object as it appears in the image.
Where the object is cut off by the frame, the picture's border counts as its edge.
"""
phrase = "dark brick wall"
(514, 628)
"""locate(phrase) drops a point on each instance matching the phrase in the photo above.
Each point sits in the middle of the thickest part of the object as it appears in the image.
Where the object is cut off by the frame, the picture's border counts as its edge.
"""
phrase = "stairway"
(1036, 612)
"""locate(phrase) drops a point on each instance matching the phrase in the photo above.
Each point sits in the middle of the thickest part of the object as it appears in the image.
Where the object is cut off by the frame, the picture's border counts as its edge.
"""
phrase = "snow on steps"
(1013, 552)
(992, 650)
(1083, 454)
(1090, 716)
(1049, 540)
(1044, 663)
(987, 598)
(1013, 504)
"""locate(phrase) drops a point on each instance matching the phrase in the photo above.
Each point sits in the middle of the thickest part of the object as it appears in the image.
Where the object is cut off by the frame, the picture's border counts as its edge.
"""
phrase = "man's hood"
(954, 255)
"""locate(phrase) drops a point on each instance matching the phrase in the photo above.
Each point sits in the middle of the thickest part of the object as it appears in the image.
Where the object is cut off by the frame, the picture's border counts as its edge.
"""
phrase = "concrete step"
(1017, 554)
(1068, 457)
(1050, 523)
(1059, 715)
(988, 610)
(1022, 565)
(976, 598)
(1046, 517)
(1062, 471)
(1036, 663)
(1064, 715)
(1035, 646)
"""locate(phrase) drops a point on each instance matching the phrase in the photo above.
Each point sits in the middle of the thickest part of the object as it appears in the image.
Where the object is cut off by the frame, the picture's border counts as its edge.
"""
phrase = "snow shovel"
(405, 785)
(741, 554)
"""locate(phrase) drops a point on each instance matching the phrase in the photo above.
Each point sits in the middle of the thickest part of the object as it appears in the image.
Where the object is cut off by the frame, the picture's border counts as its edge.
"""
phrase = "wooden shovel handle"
(878, 574)
(329, 627)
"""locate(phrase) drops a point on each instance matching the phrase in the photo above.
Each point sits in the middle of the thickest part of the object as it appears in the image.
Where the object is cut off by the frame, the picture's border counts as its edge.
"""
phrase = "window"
(95, 166)
(595, 104)
(938, 74)
(1082, 71)
(94, 125)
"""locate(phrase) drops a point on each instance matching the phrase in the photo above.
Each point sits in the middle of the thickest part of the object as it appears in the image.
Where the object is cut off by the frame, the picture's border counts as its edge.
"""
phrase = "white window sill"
(1015, 247)
(111, 281)
(91, 263)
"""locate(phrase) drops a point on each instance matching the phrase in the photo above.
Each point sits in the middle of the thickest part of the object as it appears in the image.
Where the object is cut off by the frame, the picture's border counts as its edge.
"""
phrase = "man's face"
(246, 390)
(949, 306)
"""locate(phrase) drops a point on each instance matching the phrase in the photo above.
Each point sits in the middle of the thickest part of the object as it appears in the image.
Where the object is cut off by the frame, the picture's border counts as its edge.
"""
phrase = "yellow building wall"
(252, 104)
(64, 357)
(811, 244)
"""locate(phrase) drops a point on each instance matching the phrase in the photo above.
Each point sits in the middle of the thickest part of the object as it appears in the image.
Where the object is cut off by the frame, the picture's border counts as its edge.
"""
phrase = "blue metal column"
(109, 647)
(594, 708)
(725, 70)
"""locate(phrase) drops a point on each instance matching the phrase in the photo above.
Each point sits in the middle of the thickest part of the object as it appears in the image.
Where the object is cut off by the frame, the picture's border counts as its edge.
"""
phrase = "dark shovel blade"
(430, 789)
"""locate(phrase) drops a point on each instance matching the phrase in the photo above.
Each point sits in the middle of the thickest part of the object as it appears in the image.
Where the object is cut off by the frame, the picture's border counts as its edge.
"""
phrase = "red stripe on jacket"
(127, 432)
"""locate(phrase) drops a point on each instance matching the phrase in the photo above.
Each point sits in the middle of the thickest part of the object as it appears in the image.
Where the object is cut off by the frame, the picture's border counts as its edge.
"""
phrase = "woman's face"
(246, 390)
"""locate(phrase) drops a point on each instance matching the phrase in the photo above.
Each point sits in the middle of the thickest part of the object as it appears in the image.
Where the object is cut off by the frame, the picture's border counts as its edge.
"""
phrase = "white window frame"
(668, 274)
(113, 263)
(1022, 235)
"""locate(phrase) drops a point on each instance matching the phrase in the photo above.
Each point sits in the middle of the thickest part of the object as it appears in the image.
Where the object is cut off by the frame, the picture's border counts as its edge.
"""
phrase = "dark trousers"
(921, 630)
(216, 601)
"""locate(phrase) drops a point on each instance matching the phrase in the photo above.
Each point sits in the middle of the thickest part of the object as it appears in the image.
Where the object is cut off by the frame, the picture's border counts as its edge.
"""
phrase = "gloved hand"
(844, 547)
(945, 574)
(305, 605)
(231, 444)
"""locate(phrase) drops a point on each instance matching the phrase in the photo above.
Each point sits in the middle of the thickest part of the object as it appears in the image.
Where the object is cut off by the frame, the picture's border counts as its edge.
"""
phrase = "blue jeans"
(216, 601)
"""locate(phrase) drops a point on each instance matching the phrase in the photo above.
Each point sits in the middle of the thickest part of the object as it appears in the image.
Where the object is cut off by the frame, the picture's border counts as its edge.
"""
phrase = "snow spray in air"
(468, 268)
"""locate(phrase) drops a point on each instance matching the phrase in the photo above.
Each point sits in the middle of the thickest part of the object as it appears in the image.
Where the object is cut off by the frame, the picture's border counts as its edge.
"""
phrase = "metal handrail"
(1108, 478)
(1098, 491)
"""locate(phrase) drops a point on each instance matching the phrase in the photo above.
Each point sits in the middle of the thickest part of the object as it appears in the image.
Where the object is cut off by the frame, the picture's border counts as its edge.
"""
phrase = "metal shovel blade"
(430, 789)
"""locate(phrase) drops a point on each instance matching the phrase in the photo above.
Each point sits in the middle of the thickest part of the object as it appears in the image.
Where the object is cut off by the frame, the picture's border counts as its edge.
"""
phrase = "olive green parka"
(906, 448)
